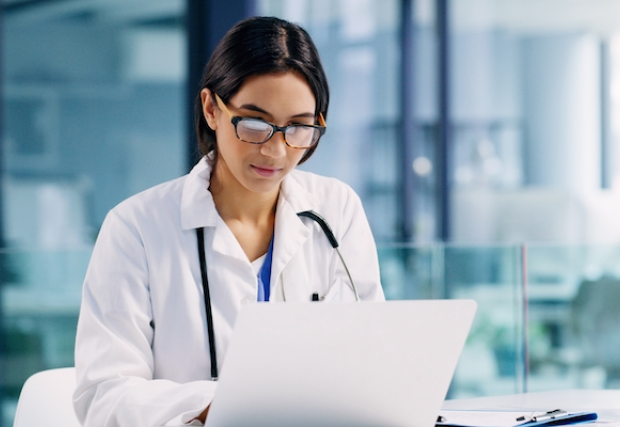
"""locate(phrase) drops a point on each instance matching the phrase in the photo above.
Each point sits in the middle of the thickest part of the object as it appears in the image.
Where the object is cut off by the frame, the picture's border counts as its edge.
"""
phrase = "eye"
(300, 124)
(254, 125)
(297, 129)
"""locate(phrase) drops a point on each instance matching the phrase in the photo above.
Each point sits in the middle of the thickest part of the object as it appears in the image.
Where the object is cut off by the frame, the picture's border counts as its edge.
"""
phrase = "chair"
(46, 400)
(596, 325)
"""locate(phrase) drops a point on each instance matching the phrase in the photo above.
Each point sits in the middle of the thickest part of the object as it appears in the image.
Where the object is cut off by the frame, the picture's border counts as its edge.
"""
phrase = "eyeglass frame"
(322, 126)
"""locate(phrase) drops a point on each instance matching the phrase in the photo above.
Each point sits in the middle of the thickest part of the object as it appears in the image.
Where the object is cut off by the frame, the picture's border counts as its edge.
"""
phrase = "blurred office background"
(483, 137)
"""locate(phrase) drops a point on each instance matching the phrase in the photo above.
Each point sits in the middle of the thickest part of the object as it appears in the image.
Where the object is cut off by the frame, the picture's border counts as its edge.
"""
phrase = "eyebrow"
(253, 107)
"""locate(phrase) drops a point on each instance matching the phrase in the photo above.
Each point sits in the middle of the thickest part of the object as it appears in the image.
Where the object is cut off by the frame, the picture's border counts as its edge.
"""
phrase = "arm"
(113, 355)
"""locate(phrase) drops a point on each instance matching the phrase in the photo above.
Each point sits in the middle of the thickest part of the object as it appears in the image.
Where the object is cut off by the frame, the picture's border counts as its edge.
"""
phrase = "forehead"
(286, 93)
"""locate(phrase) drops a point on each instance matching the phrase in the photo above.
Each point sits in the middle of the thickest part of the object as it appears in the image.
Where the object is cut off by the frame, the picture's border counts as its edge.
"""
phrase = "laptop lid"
(346, 364)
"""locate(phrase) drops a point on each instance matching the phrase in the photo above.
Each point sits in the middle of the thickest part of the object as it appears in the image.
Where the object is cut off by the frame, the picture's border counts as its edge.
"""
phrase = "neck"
(235, 203)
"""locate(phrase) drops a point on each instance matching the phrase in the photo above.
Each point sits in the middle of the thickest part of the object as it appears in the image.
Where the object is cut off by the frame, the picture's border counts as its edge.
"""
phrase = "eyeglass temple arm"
(221, 104)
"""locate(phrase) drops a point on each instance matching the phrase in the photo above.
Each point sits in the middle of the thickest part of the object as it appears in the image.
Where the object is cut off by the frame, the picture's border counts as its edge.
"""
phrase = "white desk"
(606, 403)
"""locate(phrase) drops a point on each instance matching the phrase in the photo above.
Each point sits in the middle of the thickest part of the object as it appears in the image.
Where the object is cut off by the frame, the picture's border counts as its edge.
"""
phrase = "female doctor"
(151, 323)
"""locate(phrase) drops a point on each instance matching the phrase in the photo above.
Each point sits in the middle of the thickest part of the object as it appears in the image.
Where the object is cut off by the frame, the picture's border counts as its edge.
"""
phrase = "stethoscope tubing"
(200, 233)
(332, 240)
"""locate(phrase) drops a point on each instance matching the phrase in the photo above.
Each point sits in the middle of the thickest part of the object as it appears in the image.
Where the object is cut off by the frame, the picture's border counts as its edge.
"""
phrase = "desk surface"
(604, 402)
(574, 400)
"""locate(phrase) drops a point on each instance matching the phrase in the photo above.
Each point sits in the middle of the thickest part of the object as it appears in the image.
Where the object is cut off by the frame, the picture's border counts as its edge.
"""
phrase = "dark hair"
(259, 46)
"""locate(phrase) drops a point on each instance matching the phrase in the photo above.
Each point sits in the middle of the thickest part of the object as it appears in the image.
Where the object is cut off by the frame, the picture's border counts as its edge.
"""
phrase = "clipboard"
(556, 417)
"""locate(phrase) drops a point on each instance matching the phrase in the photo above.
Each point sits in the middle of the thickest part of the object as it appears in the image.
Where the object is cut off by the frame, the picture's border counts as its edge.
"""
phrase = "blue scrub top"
(264, 275)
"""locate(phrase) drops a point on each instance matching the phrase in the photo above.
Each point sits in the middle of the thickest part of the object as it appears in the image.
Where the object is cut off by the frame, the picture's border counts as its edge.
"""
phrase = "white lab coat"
(142, 352)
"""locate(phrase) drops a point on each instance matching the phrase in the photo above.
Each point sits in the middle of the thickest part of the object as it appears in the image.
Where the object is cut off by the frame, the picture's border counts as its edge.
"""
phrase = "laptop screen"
(359, 364)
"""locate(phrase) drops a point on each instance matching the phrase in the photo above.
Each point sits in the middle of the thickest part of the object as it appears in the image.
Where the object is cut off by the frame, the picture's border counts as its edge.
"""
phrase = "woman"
(143, 342)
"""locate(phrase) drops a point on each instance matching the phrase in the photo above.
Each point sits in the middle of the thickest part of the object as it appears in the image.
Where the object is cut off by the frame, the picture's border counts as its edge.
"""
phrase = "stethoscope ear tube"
(324, 225)
(332, 240)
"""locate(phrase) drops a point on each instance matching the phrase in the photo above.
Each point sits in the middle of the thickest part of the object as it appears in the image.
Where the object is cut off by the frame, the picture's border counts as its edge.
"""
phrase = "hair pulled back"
(253, 47)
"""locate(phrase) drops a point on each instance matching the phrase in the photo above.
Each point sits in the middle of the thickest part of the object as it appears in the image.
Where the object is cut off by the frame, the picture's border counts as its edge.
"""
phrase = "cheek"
(231, 149)
(296, 156)
(226, 139)
(225, 134)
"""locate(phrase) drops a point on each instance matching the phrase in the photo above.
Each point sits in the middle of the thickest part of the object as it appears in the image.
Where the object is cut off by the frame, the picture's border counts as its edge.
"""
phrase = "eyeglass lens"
(257, 131)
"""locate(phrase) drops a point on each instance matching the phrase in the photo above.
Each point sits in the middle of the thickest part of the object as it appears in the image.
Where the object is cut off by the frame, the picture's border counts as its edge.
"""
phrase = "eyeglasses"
(256, 131)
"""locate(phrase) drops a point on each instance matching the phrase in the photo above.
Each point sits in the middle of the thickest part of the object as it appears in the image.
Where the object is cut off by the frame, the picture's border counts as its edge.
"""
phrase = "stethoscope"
(205, 280)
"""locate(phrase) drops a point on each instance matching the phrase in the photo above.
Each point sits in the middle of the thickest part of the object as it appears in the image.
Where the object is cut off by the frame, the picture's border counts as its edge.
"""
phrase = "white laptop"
(343, 364)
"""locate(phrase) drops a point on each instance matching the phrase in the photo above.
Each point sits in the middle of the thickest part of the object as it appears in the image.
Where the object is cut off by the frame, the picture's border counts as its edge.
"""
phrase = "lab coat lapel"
(225, 242)
(290, 232)
(198, 210)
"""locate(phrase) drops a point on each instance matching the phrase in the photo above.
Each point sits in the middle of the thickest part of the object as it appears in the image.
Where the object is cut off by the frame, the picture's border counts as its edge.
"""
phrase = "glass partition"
(493, 359)
(573, 317)
(547, 314)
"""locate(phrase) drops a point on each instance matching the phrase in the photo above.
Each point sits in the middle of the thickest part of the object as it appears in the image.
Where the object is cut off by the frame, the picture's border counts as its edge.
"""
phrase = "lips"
(266, 171)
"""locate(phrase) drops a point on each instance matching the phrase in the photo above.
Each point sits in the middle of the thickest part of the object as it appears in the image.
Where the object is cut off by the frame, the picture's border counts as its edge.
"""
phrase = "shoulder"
(326, 189)
(330, 197)
(156, 204)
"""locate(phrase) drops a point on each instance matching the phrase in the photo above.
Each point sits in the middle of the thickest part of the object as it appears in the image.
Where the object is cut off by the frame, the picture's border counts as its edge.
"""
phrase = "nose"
(275, 147)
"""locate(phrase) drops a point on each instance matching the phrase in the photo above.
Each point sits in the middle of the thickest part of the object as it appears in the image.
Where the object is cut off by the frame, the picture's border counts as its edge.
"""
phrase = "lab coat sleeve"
(359, 251)
(113, 355)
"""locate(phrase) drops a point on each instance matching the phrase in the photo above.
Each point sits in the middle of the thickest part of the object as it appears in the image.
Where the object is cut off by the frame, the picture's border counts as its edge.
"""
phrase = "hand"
(203, 415)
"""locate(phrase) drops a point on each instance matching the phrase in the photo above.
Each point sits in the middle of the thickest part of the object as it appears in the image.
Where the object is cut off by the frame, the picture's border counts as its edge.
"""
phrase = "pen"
(549, 415)
(546, 416)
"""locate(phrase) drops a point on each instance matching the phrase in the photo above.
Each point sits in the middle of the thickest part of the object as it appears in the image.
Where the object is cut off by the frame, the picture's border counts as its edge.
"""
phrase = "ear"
(209, 108)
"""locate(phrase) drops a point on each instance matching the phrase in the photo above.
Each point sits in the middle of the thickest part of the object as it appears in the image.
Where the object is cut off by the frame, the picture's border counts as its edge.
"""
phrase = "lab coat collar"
(198, 210)
(197, 207)
(290, 232)
(295, 195)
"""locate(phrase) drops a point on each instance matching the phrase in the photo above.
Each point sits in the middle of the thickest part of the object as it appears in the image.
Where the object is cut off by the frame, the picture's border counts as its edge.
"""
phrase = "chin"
(263, 188)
